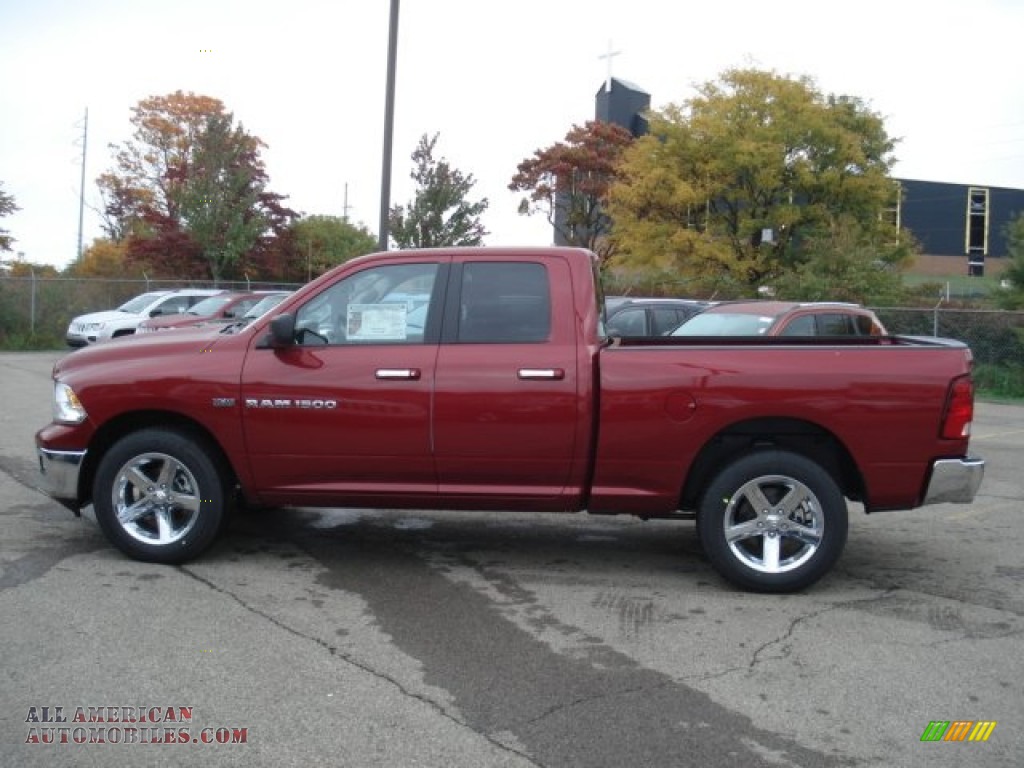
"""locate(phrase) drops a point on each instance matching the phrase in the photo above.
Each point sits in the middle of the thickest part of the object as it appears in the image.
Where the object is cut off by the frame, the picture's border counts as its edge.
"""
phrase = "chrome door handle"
(542, 374)
(392, 374)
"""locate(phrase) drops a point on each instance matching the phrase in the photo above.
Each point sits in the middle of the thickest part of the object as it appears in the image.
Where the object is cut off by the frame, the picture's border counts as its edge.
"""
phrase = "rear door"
(508, 414)
(344, 414)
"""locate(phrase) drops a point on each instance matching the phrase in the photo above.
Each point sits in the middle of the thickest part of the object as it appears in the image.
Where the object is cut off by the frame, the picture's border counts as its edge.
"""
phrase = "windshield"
(137, 305)
(725, 324)
(264, 304)
(209, 306)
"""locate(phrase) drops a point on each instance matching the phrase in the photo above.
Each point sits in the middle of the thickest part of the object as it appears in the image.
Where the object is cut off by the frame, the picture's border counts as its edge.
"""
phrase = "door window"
(382, 305)
(834, 325)
(799, 326)
(504, 302)
(666, 319)
(629, 322)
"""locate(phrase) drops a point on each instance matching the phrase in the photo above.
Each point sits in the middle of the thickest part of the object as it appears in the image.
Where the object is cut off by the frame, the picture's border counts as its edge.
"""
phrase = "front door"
(343, 415)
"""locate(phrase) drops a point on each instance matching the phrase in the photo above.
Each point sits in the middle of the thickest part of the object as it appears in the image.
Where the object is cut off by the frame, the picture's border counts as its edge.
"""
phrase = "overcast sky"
(496, 79)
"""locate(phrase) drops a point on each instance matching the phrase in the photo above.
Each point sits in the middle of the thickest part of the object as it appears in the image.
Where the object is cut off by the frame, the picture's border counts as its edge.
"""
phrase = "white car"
(109, 324)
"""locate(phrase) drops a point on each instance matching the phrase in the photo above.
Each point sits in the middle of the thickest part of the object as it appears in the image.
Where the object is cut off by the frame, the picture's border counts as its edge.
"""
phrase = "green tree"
(7, 207)
(218, 198)
(1013, 298)
(569, 181)
(846, 264)
(326, 241)
(738, 181)
(147, 168)
(189, 191)
(440, 213)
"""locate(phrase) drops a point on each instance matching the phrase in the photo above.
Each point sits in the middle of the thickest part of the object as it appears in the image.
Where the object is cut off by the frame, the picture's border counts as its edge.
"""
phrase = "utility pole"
(81, 189)
(345, 206)
(389, 128)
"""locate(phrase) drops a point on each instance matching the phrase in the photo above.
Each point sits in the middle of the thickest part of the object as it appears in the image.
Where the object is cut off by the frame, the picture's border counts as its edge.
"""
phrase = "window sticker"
(376, 322)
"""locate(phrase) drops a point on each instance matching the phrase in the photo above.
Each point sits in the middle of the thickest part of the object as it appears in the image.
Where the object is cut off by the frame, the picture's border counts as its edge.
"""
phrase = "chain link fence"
(996, 337)
(36, 311)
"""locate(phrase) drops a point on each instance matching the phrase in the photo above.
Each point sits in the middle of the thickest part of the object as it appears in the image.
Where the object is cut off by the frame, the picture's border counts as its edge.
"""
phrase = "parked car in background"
(264, 305)
(123, 321)
(633, 317)
(783, 318)
(224, 306)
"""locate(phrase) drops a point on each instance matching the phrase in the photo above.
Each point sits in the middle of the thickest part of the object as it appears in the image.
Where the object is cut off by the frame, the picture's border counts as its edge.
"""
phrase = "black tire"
(177, 490)
(788, 540)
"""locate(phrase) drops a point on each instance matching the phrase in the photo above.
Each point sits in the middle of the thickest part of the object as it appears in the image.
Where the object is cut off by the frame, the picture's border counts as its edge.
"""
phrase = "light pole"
(389, 127)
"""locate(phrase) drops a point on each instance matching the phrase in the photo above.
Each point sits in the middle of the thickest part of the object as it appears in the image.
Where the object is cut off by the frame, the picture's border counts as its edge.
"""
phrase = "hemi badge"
(223, 402)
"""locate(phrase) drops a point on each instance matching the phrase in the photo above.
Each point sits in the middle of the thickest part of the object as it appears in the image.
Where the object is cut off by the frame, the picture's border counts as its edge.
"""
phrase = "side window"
(173, 305)
(381, 305)
(666, 319)
(799, 326)
(834, 325)
(504, 302)
(628, 322)
(242, 307)
(863, 324)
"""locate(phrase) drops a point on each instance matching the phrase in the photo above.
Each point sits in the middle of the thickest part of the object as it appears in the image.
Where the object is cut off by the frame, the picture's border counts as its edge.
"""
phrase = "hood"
(183, 344)
(180, 320)
(103, 316)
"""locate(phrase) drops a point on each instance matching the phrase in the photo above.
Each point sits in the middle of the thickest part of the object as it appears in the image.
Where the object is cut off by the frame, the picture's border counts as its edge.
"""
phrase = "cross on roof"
(609, 55)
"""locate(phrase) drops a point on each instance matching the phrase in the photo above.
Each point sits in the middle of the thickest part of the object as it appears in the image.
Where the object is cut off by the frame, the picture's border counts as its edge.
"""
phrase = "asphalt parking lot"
(385, 638)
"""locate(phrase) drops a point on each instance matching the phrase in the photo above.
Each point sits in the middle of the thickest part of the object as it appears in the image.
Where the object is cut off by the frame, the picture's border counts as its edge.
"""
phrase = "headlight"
(66, 407)
(94, 326)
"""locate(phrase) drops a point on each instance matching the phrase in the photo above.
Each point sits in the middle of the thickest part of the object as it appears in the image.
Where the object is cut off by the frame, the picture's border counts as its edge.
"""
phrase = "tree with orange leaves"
(188, 193)
(569, 183)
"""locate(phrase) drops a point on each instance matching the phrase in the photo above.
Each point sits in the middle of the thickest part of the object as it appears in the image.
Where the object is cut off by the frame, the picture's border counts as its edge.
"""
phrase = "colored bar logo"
(958, 730)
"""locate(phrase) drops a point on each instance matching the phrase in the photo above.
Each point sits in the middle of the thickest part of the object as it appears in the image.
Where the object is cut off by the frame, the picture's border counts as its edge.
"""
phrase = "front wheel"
(773, 521)
(159, 496)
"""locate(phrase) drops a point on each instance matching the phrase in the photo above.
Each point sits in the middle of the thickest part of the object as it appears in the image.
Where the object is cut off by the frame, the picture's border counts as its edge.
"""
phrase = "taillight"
(956, 424)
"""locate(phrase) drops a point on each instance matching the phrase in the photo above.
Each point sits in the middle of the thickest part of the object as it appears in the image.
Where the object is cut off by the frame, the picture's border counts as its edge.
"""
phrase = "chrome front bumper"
(954, 480)
(60, 470)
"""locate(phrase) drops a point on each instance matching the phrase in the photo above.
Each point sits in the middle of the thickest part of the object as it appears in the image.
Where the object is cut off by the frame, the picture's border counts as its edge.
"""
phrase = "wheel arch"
(127, 423)
(796, 435)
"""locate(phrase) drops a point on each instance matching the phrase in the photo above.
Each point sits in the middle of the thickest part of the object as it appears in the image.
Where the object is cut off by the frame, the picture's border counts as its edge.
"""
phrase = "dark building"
(959, 226)
(625, 105)
(959, 220)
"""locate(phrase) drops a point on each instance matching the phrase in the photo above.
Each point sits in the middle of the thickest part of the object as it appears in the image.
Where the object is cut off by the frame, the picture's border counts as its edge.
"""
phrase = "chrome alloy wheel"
(156, 499)
(773, 524)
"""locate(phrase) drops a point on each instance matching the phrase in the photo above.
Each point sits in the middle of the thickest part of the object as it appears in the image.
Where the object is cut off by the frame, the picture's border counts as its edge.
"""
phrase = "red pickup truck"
(483, 379)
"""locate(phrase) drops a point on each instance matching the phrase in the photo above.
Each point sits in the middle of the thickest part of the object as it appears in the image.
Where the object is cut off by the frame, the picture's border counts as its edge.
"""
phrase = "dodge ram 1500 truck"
(483, 379)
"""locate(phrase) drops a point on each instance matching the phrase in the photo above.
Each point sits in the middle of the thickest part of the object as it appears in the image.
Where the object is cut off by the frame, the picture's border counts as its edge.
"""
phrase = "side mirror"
(282, 331)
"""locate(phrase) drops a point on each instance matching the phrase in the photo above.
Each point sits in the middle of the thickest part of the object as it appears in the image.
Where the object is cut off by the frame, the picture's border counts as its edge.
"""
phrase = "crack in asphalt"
(994, 606)
(791, 629)
(583, 700)
(347, 658)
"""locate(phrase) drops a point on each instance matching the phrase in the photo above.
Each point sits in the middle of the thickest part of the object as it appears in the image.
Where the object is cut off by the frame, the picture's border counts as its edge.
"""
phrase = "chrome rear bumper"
(954, 480)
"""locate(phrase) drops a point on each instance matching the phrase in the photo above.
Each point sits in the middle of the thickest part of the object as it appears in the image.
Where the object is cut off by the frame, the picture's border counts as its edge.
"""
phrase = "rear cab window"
(504, 302)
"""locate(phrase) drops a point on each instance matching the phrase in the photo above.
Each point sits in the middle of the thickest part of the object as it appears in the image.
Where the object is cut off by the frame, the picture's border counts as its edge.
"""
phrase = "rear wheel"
(159, 496)
(773, 521)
